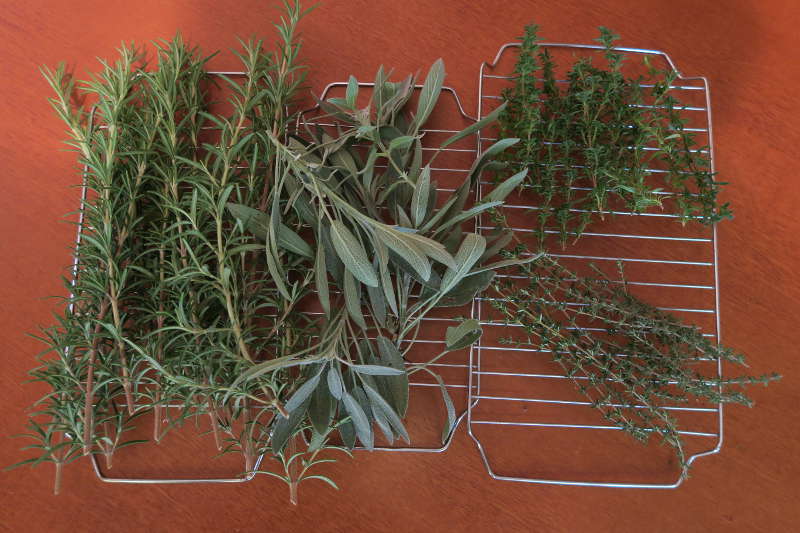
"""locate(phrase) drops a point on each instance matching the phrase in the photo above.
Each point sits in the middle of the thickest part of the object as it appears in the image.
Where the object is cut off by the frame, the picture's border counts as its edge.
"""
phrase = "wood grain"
(747, 50)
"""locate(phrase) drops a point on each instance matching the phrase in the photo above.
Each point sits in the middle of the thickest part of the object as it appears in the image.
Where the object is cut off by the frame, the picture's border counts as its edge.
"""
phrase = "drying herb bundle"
(594, 139)
(364, 191)
(601, 136)
(634, 363)
(209, 238)
(273, 278)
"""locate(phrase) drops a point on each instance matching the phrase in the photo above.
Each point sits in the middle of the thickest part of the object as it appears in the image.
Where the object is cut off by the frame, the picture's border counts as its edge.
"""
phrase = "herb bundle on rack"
(595, 138)
(209, 238)
(592, 141)
(239, 263)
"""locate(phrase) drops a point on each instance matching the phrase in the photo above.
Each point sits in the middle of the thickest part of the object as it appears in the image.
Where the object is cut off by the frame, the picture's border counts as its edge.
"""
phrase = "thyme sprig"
(598, 137)
(632, 361)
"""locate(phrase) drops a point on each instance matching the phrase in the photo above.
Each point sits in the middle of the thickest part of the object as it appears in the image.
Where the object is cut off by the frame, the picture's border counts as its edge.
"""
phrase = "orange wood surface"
(747, 49)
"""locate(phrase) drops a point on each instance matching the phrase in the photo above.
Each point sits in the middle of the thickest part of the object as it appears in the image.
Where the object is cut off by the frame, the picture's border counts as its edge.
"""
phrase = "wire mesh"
(523, 400)
(426, 413)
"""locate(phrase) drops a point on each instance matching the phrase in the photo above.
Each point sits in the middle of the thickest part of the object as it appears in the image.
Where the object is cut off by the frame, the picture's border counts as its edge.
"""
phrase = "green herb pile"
(633, 362)
(599, 136)
(272, 278)
(605, 131)
(208, 238)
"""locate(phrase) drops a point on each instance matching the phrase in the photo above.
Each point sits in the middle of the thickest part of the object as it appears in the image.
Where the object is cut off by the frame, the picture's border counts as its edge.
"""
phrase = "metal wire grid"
(455, 363)
(474, 368)
(493, 388)
(460, 382)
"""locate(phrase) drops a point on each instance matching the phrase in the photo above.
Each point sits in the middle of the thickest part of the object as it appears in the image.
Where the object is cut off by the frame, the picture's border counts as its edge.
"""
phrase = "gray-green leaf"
(430, 92)
(499, 193)
(359, 419)
(462, 335)
(377, 370)
(419, 200)
(352, 254)
(378, 402)
(485, 121)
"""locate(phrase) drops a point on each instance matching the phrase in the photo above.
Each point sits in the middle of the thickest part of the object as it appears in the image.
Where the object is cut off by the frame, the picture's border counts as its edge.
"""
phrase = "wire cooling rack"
(453, 165)
(520, 398)
(426, 413)
(516, 403)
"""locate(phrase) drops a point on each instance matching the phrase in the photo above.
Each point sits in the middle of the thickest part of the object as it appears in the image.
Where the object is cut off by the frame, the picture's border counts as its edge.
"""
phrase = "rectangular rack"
(514, 399)
(519, 396)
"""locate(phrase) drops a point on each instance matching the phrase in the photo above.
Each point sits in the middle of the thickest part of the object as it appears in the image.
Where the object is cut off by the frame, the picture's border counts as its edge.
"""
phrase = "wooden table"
(748, 50)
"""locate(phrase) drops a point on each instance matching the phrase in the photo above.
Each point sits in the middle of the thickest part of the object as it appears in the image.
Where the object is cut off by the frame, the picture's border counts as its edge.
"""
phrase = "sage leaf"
(352, 254)
(429, 94)
(377, 370)
(472, 128)
(402, 246)
(303, 393)
(352, 300)
(291, 241)
(352, 92)
(347, 432)
(379, 404)
(419, 200)
(398, 385)
(462, 335)
(499, 193)
(335, 384)
(465, 291)
(471, 249)
(321, 281)
(359, 419)
(320, 408)
(377, 302)
(284, 428)
(252, 220)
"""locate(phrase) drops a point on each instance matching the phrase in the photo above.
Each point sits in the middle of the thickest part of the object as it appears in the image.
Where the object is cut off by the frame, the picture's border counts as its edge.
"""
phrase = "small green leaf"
(352, 254)
(462, 335)
(429, 94)
(419, 200)
(360, 420)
